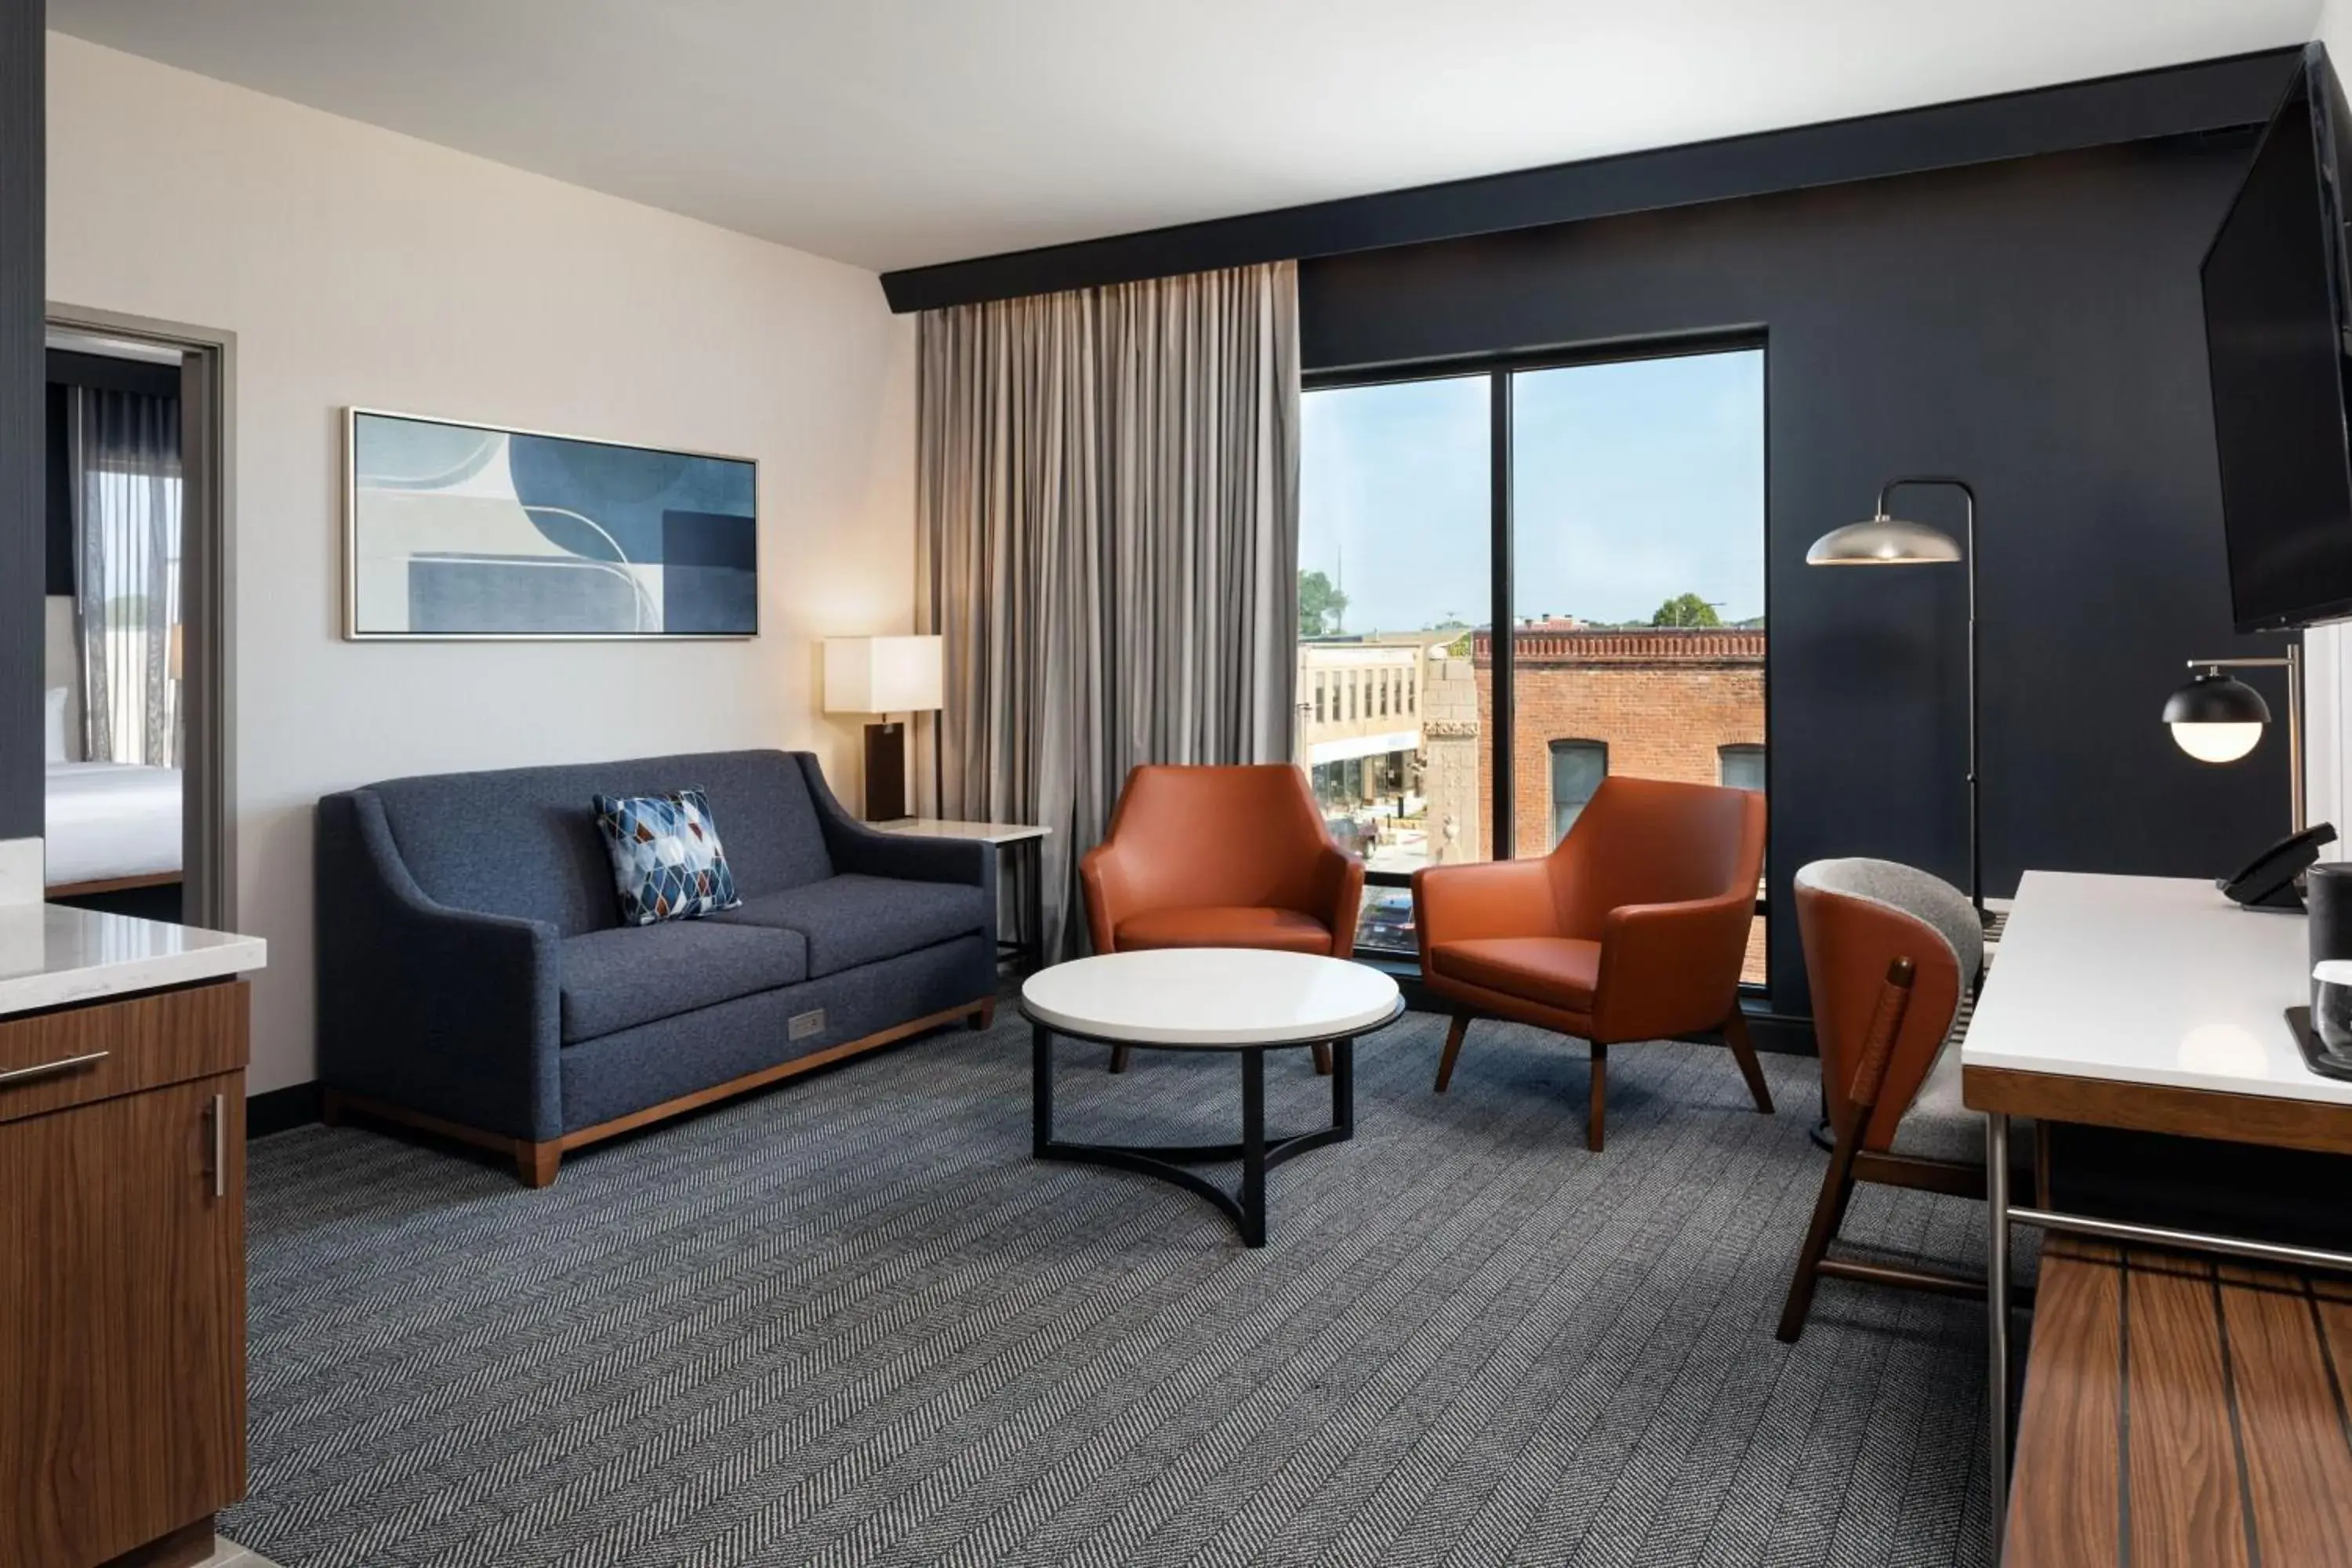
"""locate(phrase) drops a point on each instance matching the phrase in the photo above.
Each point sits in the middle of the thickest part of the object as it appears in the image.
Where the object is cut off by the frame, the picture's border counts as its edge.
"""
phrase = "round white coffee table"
(1209, 999)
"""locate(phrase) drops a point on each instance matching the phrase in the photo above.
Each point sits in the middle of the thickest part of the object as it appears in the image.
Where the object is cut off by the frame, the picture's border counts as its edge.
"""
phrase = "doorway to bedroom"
(134, 639)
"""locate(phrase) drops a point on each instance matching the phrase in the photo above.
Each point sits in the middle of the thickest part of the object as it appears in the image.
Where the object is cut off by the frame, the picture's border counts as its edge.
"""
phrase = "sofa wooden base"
(537, 1159)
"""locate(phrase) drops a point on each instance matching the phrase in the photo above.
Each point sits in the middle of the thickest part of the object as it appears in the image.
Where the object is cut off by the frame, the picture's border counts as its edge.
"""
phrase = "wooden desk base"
(2181, 1409)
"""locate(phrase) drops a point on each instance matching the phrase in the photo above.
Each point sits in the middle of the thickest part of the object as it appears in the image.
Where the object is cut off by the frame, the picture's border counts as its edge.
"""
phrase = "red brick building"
(1661, 703)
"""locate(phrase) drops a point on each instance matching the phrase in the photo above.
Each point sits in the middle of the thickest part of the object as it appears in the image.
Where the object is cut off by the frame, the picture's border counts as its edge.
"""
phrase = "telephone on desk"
(2268, 882)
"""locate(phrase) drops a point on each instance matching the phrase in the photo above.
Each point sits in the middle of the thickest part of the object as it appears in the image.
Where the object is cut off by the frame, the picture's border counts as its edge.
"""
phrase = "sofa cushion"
(635, 974)
(853, 919)
(1554, 971)
(1225, 925)
(524, 841)
(668, 861)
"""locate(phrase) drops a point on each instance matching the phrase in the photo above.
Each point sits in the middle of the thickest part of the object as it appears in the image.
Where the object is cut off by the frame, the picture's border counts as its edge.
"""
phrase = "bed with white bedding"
(113, 823)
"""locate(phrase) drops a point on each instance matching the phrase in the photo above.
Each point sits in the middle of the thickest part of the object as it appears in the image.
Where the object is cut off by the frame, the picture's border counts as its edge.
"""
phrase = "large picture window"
(1525, 580)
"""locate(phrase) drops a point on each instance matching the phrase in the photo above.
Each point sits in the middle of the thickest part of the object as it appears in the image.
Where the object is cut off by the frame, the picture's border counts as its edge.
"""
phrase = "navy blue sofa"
(474, 980)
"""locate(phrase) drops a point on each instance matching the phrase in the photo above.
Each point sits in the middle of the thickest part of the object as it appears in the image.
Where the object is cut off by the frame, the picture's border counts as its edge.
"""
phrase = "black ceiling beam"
(2211, 95)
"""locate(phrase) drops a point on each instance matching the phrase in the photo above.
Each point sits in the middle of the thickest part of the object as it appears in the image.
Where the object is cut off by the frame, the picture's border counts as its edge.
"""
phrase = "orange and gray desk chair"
(1891, 954)
(1634, 928)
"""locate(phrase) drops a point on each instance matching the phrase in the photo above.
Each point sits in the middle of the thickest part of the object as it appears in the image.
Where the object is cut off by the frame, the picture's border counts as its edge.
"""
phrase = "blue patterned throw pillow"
(667, 859)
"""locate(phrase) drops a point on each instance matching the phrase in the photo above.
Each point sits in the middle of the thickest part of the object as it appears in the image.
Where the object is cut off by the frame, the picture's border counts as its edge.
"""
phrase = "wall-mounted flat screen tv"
(2277, 350)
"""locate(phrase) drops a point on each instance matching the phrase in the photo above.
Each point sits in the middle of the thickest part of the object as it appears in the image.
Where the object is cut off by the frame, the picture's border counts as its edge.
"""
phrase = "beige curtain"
(1108, 497)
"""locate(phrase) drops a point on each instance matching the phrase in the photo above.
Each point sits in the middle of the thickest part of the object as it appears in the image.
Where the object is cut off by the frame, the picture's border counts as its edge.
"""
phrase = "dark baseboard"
(1782, 1031)
(280, 1110)
(1418, 997)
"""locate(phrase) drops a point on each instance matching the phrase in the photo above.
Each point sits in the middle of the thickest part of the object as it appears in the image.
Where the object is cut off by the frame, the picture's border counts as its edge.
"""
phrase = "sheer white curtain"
(123, 455)
(1108, 537)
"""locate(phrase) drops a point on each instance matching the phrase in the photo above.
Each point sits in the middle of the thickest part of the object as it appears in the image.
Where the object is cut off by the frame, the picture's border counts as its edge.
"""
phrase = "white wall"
(356, 266)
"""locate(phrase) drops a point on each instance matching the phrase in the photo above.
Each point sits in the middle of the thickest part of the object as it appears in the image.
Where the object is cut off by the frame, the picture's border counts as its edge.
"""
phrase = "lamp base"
(886, 772)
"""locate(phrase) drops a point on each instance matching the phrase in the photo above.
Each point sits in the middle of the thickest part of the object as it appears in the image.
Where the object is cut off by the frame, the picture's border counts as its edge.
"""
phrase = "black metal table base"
(1245, 1207)
(1026, 954)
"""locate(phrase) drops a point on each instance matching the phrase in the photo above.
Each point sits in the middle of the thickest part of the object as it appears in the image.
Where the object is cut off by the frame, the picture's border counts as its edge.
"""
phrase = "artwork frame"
(447, 554)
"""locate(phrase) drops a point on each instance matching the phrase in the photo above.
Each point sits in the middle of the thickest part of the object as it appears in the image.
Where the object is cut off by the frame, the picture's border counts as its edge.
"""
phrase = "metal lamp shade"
(1882, 541)
(2216, 718)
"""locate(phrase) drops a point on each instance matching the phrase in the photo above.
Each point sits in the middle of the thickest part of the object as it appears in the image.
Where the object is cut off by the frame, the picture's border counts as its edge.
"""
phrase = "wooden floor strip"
(2294, 1449)
(2066, 1504)
(2186, 1504)
(2337, 1370)
(2181, 1411)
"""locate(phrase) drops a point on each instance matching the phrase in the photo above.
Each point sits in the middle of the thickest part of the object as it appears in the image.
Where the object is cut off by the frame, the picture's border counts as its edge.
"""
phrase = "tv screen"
(2276, 349)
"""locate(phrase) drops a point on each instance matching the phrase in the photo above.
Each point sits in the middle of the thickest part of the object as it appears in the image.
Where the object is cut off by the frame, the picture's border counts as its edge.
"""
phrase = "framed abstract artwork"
(453, 529)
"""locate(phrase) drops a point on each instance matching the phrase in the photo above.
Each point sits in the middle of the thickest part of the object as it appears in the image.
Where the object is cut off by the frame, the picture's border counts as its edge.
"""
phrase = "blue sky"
(1636, 481)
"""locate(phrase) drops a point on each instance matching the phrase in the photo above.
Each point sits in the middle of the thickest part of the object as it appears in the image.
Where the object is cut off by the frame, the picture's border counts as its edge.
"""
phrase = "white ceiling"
(895, 133)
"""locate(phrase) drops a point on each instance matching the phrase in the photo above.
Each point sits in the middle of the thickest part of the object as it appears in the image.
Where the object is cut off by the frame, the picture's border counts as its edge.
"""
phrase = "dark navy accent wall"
(23, 534)
(2034, 326)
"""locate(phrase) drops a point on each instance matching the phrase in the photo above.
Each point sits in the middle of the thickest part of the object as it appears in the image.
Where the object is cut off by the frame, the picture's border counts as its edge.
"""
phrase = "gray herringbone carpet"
(851, 1321)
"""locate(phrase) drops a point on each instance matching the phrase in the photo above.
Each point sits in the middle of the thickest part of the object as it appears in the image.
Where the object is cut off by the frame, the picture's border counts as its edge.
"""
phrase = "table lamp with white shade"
(883, 676)
(2217, 718)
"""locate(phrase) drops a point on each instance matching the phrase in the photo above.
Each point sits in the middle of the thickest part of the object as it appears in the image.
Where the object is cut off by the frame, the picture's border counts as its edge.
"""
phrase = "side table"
(1010, 839)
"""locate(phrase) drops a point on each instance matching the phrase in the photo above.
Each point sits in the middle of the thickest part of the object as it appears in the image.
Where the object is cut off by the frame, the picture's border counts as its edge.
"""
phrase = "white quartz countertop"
(52, 956)
(2149, 980)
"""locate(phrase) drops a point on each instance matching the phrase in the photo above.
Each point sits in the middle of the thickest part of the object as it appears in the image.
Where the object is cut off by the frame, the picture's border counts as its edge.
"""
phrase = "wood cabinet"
(121, 1275)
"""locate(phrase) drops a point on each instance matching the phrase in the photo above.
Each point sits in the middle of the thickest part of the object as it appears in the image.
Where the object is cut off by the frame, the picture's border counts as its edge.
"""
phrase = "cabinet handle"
(220, 1145)
(46, 1069)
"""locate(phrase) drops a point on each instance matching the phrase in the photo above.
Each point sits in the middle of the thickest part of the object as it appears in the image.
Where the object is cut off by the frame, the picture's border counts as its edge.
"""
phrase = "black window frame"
(1497, 370)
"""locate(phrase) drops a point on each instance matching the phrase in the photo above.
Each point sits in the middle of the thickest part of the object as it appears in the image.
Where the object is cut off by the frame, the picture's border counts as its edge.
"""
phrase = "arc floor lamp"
(1886, 539)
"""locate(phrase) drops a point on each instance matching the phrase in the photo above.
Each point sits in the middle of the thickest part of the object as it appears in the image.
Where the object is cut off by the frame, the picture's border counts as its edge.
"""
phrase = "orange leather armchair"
(1634, 928)
(1220, 856)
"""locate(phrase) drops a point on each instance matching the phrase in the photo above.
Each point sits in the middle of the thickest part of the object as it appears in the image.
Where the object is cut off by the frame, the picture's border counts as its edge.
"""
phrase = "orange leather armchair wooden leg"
(1221, 856)
(1634, 928)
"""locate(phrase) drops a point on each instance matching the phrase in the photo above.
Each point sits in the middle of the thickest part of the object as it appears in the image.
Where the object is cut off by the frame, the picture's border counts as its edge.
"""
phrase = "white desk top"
(2152, 980)
(51, 956)
(1210, 998)
(939, 827)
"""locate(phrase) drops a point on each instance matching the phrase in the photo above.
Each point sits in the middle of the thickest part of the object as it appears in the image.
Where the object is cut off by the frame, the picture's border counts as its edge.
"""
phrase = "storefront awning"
(1351, 746)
